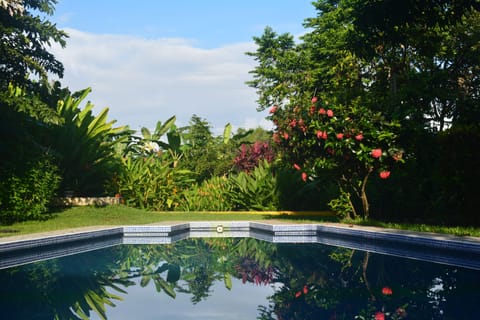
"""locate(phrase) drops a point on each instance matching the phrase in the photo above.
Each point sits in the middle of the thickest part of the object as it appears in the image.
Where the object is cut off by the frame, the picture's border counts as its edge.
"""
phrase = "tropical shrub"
(28, 194)
(210, 195)
(85, 146)
(249, 156)
(255, 190)
(152, 182)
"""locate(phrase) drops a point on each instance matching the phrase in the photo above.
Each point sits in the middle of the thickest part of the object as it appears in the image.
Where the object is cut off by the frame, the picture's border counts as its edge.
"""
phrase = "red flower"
(379, 315)
(384, 175)
(314, 99)
(359, 137)
(329, 113)
(387, 290)
(322, 135)
(339, 136)
(273, 109)
(322, 111)
(298, 294)
(376, 153)
(304, 177)
(285, 136)
(293, 123)
(305, 289)
(312, 109)
(296, 166)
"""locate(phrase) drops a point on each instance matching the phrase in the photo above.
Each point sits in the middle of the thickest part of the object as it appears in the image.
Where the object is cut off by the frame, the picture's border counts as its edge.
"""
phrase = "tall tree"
(25, 34)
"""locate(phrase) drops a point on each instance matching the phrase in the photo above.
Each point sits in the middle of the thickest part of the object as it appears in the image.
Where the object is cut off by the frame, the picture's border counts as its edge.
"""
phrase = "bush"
(211, 195)
(256, 190)
(152, 182)
(28, 195)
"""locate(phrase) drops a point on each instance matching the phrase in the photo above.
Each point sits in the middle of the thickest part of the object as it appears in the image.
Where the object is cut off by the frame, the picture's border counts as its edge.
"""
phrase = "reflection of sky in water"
(240, 302)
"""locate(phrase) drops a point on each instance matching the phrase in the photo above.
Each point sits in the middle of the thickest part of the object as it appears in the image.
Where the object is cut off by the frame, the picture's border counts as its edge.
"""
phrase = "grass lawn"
(77, 217)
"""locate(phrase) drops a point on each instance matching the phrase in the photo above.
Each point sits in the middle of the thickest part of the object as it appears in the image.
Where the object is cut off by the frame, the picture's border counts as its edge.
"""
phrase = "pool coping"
(429, 246)
(277, 229)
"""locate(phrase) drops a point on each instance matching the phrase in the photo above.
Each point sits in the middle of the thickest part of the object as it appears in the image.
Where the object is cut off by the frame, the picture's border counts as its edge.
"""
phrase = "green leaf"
(227, 279)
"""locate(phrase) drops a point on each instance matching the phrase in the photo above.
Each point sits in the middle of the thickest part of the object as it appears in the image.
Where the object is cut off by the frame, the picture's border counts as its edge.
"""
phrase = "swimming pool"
(239, 270)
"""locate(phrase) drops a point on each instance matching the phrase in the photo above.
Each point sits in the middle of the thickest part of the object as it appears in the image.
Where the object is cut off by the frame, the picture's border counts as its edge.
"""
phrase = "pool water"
(237, 278)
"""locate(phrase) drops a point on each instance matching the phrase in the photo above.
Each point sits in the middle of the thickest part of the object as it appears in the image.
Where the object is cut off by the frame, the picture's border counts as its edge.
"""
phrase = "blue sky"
(150, 59)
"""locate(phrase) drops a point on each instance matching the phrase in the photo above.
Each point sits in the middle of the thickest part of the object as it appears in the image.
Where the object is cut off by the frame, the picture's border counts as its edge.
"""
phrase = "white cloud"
(145, 80)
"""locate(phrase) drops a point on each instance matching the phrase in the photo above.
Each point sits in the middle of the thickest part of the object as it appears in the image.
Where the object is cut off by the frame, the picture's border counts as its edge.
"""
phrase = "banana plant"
(85, 144)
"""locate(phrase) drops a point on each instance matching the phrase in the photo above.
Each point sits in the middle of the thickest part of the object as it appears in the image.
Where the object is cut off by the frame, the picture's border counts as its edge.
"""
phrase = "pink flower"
(384, 175)
(379, 315)
(273, 109)
(314, 99)
(376, 153)
(298, 294)
(304, 177)
(387, 291)
(293, 123)
(285, 136)
(296, 166)
(329, 113)
(322, 111)
(339, 136)
(359, 137)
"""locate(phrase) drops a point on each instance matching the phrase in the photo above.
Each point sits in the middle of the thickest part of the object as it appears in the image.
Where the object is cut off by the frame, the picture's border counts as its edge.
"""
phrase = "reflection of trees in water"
(311, 281)
(344, 284)
(67, 288)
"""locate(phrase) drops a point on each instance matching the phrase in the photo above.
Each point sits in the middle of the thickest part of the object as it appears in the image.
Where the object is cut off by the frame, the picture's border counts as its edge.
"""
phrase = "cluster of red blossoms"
(377, 153)
(322, 134)
(400, 312)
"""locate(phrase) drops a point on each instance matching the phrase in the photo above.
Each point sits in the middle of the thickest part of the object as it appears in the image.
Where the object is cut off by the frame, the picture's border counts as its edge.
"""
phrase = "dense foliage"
(25, 35)
(413, 63)
(377, 98)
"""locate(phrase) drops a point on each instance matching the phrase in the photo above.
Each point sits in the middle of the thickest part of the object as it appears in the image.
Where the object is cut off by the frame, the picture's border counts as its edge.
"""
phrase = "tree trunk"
(363, 195)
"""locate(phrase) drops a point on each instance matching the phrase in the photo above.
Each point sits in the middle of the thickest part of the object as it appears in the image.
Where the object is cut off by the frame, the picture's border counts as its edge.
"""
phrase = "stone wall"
(86, 201)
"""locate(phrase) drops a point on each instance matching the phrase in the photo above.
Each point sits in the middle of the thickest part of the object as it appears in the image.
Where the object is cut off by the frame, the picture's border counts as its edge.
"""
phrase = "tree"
(352, 141)
(422, 56)
(414, 62)
(24, 37)
(205, 154)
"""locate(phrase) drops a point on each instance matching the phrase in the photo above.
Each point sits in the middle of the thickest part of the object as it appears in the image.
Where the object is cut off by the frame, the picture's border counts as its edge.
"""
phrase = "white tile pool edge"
(219, 228)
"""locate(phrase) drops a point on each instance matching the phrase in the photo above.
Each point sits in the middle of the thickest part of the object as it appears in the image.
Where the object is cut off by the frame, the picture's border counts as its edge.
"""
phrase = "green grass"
(452, 230)
(78, 217)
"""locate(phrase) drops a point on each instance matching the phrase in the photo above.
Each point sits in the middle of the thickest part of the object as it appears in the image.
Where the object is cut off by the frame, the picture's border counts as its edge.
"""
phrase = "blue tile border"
(433, 247)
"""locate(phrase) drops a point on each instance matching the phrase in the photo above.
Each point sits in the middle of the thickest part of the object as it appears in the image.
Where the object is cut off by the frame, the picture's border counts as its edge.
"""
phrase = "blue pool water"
(237, 278)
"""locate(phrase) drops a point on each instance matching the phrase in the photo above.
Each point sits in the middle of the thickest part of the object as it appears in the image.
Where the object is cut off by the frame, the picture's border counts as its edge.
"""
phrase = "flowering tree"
(352, 141)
